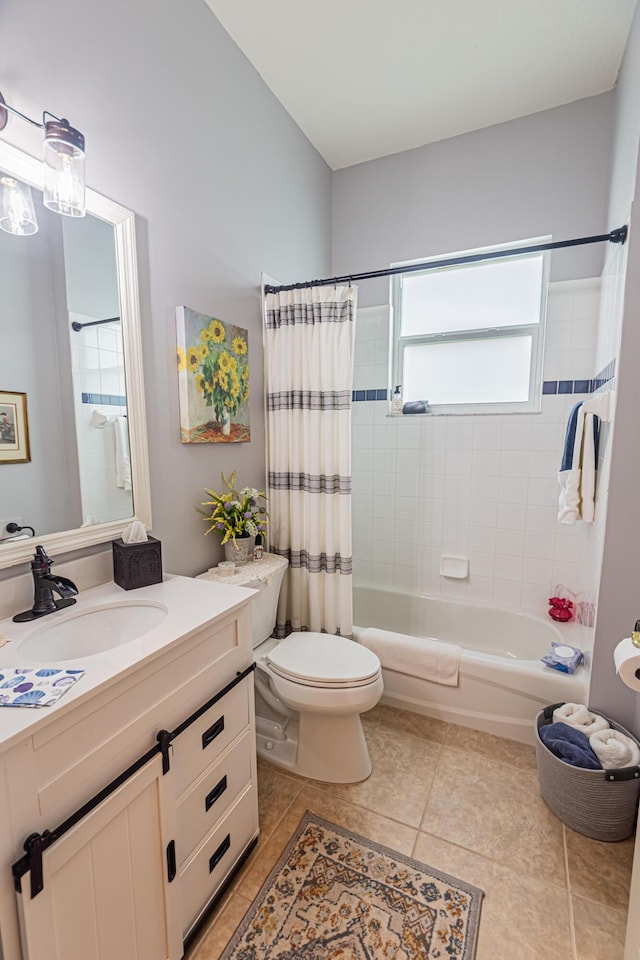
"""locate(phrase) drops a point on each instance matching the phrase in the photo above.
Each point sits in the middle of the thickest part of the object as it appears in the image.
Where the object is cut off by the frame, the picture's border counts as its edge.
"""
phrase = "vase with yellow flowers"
(238, 516)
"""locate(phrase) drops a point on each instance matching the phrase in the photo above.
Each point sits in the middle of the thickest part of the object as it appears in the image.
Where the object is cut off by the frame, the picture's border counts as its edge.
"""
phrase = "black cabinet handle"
(216, 793)
(171, 861)
(214, 731)
(220, 852)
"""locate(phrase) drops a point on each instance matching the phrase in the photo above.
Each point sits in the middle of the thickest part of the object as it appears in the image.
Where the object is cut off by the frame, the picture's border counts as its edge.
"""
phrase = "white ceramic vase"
(226, 422)
(241, 551)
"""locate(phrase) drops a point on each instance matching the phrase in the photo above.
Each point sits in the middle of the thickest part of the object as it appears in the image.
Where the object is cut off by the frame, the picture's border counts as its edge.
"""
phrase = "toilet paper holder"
(626, 657)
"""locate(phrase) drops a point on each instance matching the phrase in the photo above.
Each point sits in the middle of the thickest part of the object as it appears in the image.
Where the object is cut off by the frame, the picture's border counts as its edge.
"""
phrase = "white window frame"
(536, 331)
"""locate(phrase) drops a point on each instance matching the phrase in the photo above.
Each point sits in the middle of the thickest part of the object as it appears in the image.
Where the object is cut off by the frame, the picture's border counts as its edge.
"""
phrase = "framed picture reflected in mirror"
(14, 428)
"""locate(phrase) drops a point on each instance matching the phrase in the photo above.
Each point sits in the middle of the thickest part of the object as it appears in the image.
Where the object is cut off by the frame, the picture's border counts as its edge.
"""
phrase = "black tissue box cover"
(137, 564)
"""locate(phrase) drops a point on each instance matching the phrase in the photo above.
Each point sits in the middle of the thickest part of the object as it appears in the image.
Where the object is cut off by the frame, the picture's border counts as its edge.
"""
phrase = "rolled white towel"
(614, 749)
(576, 715)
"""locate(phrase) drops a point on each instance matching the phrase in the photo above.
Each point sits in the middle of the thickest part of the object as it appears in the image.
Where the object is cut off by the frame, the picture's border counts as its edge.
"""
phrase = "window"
(468, 338)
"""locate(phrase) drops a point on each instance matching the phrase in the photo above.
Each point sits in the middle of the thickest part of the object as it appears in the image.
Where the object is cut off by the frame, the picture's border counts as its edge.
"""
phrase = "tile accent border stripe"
(357, 395)
(607, 373)
(580, 386)
(107, 399)
(553, 387)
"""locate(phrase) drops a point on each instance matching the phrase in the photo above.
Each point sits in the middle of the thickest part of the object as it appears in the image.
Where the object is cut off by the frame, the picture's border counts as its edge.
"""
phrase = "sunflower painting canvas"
(213, 371)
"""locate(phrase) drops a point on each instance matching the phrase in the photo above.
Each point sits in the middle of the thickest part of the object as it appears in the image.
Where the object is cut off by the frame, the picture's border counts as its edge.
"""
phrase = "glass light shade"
(64, 180)
(17, 214)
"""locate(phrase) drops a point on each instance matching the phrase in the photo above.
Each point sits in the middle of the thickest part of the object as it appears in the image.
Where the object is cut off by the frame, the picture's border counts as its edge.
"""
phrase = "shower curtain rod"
(619, 235)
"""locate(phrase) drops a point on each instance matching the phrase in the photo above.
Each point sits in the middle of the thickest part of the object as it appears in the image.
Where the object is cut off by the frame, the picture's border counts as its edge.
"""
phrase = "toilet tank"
(264, 604)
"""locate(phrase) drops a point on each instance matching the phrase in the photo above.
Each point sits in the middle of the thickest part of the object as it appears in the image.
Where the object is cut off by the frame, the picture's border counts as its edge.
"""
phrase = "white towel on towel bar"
(416, 656)
(577, 475)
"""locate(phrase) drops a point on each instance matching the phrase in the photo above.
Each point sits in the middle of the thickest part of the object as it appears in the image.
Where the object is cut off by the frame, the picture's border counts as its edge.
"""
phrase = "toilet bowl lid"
(322, 659)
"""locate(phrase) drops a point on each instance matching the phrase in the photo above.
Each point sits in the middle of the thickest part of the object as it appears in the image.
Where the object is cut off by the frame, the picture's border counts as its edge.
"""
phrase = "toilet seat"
(323, 660)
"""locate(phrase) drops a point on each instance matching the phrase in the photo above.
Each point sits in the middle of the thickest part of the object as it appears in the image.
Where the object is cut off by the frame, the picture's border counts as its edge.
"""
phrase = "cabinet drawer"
(206, 870)
(212, 795)
(80, 751)
(209, 735)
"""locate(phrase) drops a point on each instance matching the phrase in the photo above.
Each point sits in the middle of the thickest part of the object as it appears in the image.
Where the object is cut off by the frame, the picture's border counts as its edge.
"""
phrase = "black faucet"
(44, 583)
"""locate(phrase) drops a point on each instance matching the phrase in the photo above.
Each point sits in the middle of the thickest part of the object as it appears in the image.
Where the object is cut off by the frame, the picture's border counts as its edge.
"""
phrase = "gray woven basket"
(601, 804)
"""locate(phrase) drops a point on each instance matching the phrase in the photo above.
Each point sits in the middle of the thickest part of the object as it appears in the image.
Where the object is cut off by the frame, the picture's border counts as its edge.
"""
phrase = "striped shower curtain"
(309, 346)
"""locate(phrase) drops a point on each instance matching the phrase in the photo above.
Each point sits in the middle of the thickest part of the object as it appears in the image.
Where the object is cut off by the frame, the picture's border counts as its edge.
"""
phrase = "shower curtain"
(309, 343)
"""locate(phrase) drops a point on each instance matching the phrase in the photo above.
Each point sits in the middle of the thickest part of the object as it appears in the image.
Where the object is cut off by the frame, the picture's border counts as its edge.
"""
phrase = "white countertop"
(190, 603)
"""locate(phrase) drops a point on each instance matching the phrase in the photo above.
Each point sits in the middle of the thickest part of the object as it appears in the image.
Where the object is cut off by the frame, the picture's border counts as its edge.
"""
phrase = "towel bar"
(601, 405)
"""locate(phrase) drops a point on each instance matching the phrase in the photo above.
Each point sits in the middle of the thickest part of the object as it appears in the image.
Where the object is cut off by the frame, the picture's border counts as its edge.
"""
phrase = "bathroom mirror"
(73, 384)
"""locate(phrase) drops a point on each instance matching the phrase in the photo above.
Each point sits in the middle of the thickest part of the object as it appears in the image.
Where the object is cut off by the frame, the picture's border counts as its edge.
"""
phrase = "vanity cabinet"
(134, 875)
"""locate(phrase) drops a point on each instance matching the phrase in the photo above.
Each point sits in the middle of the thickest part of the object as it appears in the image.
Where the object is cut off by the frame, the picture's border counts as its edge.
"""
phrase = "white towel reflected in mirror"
(123, 459)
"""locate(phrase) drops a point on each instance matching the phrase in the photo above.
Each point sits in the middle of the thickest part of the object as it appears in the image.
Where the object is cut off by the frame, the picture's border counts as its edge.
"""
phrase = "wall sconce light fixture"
(64, 180)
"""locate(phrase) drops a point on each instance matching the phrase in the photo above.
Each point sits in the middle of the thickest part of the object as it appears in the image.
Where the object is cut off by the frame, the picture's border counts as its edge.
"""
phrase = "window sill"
(462, 413)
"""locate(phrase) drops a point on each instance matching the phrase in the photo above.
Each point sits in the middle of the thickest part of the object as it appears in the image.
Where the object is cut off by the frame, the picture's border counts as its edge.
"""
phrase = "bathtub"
(502, 684)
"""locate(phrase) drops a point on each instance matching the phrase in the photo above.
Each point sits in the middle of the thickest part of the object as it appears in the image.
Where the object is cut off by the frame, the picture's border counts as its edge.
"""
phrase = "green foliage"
(233, 514)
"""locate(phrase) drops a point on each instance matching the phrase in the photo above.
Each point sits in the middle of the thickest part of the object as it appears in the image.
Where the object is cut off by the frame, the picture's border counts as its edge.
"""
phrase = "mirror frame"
(19, 164)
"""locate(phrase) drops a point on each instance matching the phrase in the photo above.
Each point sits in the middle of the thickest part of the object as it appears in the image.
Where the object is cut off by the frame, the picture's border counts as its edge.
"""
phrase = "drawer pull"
(220, 852)
(216, 793)
(209, 735)
(171, 861)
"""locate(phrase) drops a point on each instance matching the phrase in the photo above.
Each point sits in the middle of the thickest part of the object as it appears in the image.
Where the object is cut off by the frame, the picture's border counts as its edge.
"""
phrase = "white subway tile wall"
(484, 486)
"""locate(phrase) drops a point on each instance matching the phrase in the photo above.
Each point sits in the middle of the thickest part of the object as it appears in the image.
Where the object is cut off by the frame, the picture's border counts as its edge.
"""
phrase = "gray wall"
(543, 174)
(90, 267)
(619, 600)
(626, 130)
(182, 130)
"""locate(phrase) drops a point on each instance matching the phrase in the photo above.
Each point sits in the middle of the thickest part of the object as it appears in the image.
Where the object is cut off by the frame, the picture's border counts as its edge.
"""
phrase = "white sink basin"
(85, 633)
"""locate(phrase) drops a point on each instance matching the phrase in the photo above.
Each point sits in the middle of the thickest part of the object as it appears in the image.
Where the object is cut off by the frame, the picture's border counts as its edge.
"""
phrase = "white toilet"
(310, 691)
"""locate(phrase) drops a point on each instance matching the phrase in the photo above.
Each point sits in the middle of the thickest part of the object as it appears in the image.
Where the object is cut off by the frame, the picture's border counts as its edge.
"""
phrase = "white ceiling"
(367, 78)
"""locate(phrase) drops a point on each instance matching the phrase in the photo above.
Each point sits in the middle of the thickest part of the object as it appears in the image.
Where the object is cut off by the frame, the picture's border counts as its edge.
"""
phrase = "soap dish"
(457, 568)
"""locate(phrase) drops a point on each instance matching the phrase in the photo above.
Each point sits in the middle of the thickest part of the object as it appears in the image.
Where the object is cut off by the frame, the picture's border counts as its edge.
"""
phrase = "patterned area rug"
(336, 896)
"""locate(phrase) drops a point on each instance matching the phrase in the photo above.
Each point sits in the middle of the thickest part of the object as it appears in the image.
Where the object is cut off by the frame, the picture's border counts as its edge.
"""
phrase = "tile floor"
(467, 803)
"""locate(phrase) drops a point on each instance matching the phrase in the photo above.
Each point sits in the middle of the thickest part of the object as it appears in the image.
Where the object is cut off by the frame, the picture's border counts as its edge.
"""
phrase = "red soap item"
(560, 609)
